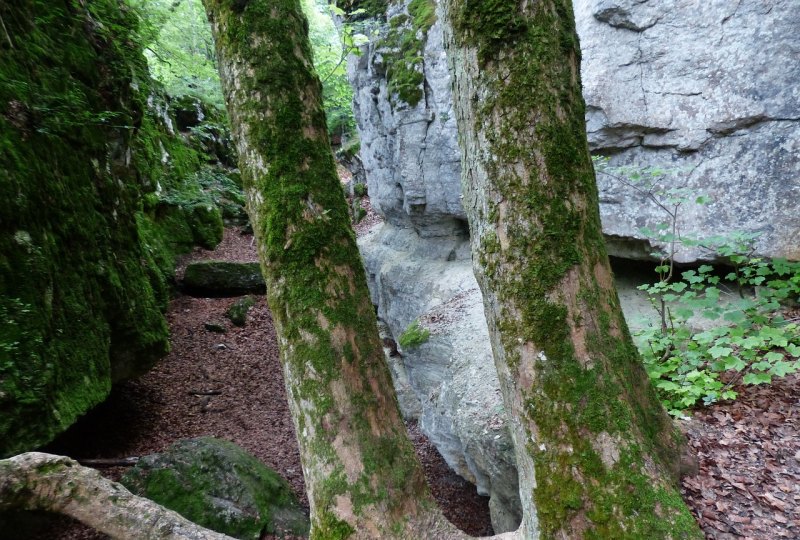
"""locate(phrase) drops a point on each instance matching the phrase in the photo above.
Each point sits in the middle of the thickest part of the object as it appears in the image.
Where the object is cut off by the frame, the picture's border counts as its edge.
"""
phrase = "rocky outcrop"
(707, 91)
(719, 112)
(707, 94)
(217, 485)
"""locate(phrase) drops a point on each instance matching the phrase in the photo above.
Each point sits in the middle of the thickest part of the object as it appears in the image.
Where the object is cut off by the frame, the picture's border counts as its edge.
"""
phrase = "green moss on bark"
(338, 383)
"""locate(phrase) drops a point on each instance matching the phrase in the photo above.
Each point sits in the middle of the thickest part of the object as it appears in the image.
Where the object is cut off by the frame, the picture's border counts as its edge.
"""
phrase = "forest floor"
(747, 484)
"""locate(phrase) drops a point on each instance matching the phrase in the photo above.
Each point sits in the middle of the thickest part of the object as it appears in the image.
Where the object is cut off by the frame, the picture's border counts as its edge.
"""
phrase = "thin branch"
(8, 37)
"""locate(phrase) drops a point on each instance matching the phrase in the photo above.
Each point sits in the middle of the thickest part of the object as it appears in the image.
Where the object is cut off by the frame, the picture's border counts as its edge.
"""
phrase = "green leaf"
(719, 352)
(781, 369)
(734, 363)
(667, 385)
(757, 378)
(773, 357)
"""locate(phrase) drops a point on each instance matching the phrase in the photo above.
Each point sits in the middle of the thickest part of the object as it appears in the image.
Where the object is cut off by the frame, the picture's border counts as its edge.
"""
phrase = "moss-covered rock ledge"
(86, 176)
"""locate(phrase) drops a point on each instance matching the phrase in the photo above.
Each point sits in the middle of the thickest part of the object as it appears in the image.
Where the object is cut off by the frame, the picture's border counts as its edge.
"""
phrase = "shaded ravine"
(147, 415)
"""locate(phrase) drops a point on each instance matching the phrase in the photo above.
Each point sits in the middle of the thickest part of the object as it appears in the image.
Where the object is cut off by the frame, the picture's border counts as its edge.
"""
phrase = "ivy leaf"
(718, 352)
(757, 378)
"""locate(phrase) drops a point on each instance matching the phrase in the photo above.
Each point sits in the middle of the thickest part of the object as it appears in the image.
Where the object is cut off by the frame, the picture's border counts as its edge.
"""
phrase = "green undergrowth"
(717, 327)
(720, 329)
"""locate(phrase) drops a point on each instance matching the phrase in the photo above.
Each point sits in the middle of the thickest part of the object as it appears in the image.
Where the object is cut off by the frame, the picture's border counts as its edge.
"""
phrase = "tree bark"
(595, 450)
(362, 476)
(36, 481)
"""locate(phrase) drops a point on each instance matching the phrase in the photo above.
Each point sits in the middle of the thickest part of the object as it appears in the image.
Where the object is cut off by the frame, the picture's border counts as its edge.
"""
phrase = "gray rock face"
(410, 153)
(449, 382)
(710, 90)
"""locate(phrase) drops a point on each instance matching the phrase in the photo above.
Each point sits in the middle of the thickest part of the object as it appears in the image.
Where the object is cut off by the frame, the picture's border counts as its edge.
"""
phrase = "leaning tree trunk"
(57, 484)
(361, 473)
(595, 450)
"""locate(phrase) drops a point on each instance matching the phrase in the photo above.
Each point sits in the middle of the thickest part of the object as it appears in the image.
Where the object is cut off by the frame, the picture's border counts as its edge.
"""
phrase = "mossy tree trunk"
(596, 452)
(361, 473)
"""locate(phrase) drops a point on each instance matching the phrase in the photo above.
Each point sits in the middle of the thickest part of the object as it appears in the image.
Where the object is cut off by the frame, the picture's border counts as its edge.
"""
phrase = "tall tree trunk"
(362, 476)
(596, 452)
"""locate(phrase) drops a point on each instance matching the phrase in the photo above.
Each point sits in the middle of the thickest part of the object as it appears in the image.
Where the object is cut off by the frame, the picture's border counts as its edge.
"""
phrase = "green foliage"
(179, 48)
(747, 339)
(750, 336)
(331, 48)
(414, 336)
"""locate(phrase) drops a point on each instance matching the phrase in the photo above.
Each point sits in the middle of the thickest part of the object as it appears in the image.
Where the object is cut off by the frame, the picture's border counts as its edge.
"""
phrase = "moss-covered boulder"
(223, 278)
(80, 296)
(98, 194)
(237, 313)
(219, 486)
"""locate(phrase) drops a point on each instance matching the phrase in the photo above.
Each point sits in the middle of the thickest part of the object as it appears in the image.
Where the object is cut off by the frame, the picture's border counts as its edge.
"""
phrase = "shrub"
(414, 336)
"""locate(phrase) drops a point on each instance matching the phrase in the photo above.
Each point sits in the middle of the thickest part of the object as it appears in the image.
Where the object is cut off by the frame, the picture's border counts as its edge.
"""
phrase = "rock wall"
(706, 90)
(98, 192)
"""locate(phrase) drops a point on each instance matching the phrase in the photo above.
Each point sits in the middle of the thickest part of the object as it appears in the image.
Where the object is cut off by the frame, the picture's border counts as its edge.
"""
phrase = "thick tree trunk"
(595, 450)
(36, 481)
(362, 476)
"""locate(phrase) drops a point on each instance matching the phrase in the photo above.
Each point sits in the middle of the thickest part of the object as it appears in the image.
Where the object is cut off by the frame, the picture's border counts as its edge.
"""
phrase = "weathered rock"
(237, 313)
(721, 106)
(216, 484)
(721, 110)
(708, 90)
(448, 382)
(410, 152)
(223, 278)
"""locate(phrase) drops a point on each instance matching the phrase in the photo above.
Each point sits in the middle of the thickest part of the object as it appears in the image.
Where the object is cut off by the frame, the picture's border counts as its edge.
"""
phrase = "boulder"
(223, 278)
(237, 313)
(216, 484)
